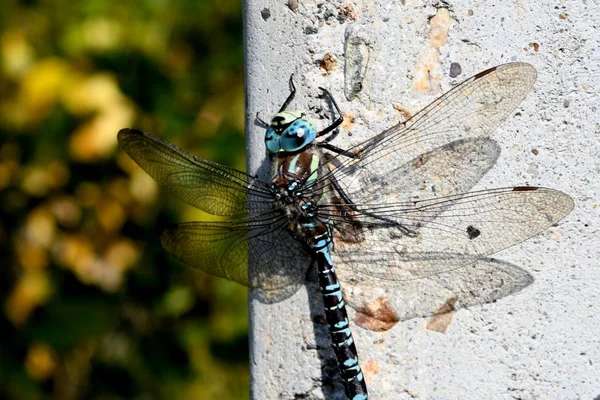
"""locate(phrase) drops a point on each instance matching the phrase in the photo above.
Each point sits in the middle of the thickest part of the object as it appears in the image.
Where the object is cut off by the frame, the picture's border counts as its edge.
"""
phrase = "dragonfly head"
(289, 132)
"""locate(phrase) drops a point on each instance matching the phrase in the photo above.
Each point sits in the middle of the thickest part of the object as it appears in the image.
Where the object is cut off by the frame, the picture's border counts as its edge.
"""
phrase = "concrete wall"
(540, 342)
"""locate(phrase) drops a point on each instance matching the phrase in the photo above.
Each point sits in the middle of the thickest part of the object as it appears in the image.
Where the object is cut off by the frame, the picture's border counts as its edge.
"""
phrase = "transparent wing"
(431, 175)
(449, 169)
(470, 110)
(224, 248)
(211, 187)
(412, 240)
(484, 281)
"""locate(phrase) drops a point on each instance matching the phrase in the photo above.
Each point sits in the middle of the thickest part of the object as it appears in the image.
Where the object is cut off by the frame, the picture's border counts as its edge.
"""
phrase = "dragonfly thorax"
(300, 211)
(289, 132)
(293, 202)
(293, 179)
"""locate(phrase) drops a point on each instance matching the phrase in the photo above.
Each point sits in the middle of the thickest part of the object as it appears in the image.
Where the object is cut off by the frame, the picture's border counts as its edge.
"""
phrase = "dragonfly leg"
(336, 185)
(285, 103)
(335, 123)
(337, 150)
(291, 96)
(261, 121)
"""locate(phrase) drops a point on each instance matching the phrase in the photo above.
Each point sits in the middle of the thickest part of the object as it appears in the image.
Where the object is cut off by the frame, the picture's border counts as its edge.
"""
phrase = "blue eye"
(289, 132)
(272, 140)
(298, 135)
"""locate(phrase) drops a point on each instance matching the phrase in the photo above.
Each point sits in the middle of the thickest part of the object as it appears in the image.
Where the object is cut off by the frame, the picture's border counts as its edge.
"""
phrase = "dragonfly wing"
(449, 169)
(430, 175)
(209, 186)
(470, 110)
(223, 249)
(413, 240)
(484, 281)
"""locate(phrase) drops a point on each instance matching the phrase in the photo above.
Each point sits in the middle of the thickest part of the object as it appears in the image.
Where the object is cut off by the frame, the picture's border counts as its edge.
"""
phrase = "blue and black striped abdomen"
(339, 328)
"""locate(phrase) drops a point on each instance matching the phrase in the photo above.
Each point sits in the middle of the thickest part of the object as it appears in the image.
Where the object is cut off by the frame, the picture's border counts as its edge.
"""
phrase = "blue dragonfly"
(394, 208)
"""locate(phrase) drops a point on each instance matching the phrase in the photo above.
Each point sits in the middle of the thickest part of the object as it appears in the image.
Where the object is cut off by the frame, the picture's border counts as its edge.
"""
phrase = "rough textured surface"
(541, 342)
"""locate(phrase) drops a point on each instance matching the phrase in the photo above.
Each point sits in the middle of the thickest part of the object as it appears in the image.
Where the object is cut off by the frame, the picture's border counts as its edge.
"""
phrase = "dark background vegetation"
(92, 307)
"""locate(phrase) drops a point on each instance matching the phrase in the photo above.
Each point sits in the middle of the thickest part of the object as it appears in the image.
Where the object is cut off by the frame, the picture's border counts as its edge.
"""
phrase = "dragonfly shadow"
(330, 375)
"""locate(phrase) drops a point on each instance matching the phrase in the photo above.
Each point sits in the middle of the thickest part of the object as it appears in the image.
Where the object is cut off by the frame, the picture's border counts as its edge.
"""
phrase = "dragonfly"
(393, 208)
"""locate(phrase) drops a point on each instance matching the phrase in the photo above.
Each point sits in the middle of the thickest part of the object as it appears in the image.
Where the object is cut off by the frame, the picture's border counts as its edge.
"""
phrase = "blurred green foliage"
(92, 307)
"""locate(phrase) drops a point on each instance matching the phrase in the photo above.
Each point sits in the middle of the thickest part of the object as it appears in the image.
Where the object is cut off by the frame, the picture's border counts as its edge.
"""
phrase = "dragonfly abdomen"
(339, 327)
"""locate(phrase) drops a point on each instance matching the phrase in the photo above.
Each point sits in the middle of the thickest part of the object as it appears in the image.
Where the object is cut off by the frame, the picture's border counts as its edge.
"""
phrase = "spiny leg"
(337, 150)
(335, 123)
(285, 103)
(291, 96)
(260, 121)
(336, 185)
(325, 143)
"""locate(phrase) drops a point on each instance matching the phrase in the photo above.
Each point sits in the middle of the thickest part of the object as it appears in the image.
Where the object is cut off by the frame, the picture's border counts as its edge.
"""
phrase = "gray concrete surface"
(539, 343)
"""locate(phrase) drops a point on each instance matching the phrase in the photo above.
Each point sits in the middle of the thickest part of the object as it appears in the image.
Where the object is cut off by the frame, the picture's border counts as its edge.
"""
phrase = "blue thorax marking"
(314, 166)
(293, 165)
(289, 132)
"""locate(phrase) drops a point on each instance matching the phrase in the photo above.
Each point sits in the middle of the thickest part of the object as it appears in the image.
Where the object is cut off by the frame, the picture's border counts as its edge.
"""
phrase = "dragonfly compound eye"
(272, 140)
(287, 136)
(289, 131)
(298, 135)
